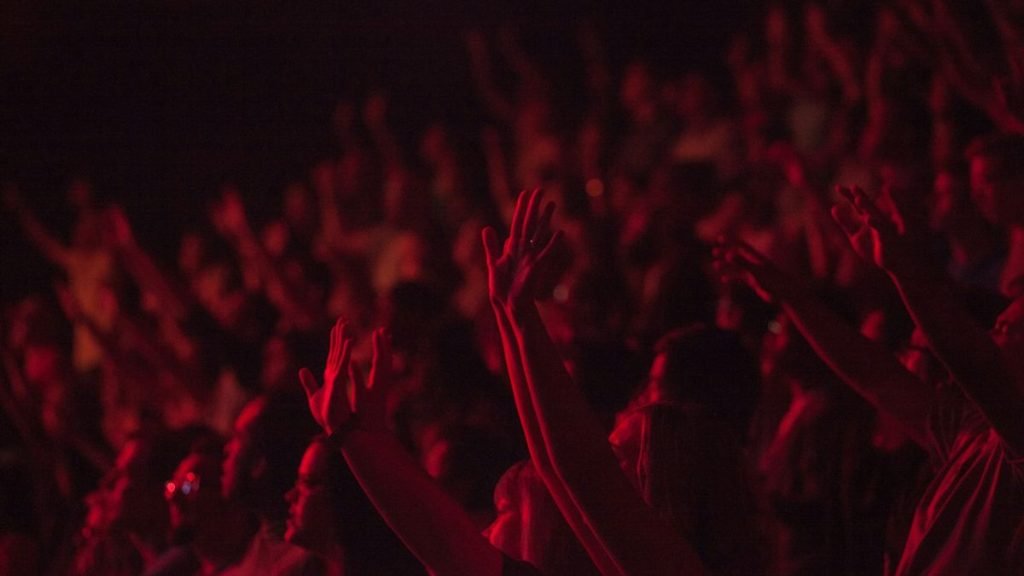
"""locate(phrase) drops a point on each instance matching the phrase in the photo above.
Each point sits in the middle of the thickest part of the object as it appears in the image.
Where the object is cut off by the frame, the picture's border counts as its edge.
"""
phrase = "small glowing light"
(595, 187)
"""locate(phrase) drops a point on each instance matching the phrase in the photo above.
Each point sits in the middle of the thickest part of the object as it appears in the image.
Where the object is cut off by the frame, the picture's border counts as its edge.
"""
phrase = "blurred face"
(193, 492)
(41, 362)
(240, 458)
(309, 515)
(1008, 333)
(946, 201)
(998, 198)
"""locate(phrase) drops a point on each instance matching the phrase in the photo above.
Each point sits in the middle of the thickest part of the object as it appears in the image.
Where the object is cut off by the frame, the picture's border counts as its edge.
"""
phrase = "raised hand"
(532, 257)
(874, 234)
(330, 403)
(120, 230)
(739, 262)
(228, 213)
(370, 401)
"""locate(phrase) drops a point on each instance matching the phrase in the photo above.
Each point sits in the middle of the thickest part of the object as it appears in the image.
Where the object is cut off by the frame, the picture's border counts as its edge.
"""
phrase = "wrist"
(339, 436)
(519, 308)
(915, 274)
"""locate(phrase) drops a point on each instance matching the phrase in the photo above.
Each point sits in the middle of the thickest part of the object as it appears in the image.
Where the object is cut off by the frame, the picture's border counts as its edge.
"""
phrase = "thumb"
(844, 215)
(308, 381)
(380, 372)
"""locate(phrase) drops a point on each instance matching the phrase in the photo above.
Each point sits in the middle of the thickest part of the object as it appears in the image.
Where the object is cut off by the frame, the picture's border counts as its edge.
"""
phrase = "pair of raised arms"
(620, 532)
(566, 441)
(967, 351)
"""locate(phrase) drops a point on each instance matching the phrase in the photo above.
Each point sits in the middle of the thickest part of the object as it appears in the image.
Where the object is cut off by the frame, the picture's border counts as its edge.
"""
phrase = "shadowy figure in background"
(260, 463)
(969, 518)
(208, 532)
(127, 523)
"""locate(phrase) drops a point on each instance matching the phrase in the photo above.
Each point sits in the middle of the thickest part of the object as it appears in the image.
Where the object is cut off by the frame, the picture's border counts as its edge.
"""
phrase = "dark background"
(159, 102)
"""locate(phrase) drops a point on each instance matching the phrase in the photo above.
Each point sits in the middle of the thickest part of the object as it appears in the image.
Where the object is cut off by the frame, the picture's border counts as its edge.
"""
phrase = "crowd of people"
(769, 321)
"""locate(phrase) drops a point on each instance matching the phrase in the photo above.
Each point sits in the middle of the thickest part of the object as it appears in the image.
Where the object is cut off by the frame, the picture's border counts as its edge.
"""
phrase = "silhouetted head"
(263, 454)
(708, 366)
(997, 177)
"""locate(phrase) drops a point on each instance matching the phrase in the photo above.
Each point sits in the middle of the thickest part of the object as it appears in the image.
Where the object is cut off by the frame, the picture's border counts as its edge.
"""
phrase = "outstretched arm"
(864, 365)
(428, 521)
(632, 535)
(174, 302)
(232, 222)
(500, 262)
(34, 230)
(968, 352)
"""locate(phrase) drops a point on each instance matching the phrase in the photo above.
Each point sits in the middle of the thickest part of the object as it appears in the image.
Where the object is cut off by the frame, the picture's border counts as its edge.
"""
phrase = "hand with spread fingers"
(739, 262)
(345, 394)
(329, 403)
(529, 264)
(371, 396)
(874, 234)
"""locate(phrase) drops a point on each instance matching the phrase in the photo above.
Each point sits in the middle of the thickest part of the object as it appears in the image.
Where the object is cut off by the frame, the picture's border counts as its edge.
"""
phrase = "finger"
(552, 243)
(750, 254)
(308, 381)
(382, 357)
(334, 348)
(489, 237)
(543, 229)
(346, 350)
(339, 399)
(514, 238)
(532, 209)
(845, 192)
(868, 206)
(341, 368)
(848, 221)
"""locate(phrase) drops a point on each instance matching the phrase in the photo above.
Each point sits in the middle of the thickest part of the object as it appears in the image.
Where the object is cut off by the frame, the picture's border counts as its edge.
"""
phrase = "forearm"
(967, 351)
(42, 239)
(151, 279)
(637, 539)
(538, 451)
(432, 525)
(275, 286)
(864, 365)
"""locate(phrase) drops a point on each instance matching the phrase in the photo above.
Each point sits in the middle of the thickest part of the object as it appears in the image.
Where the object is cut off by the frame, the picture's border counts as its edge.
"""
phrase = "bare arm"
(34, 230)
(971, 356)
(636, 539)
(864, 365)
(499, 264)
(428, 521)
(174, 302)
(234, 224)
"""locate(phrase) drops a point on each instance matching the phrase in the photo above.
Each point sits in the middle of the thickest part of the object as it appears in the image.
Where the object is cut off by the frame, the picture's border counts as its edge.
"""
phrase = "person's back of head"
(704, 365)
(264, 452)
